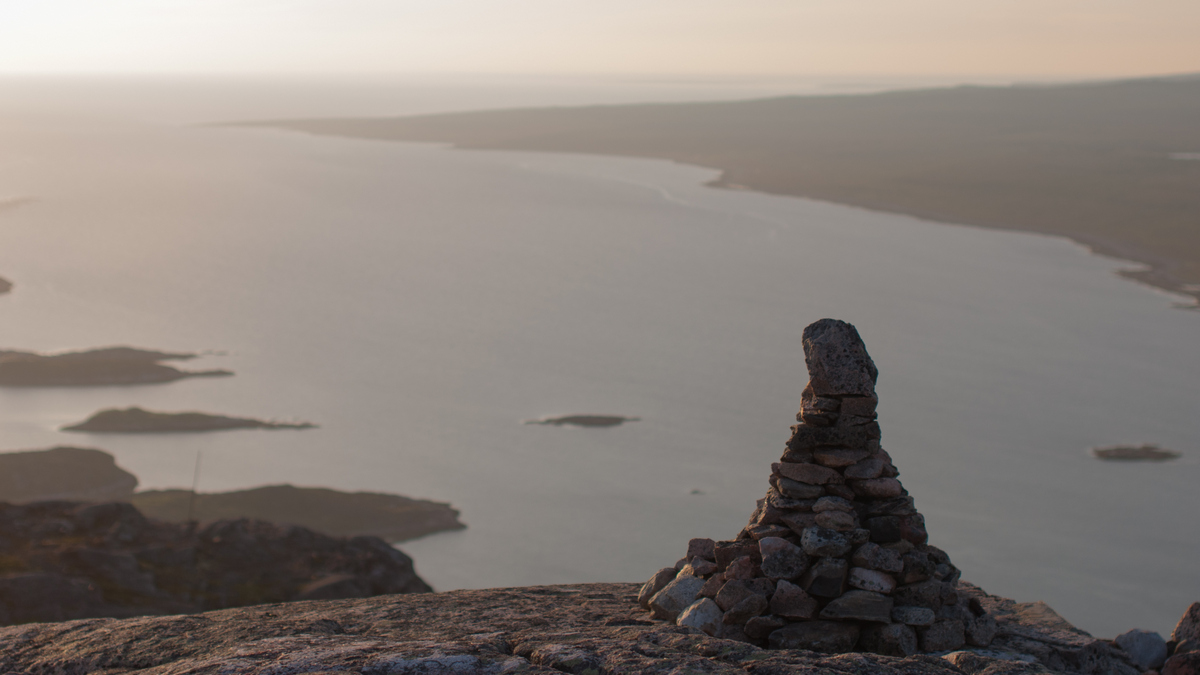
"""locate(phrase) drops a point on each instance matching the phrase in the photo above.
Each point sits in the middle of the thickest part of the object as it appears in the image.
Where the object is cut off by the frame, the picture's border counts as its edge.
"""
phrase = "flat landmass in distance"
(93, 368)
(1111, 165)
(139, 421)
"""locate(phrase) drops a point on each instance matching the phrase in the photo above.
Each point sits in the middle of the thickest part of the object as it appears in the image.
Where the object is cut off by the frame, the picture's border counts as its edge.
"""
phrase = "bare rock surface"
(585, 629)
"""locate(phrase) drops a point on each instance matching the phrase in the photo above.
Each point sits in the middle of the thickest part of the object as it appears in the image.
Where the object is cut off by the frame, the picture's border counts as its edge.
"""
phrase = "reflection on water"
(422, 303)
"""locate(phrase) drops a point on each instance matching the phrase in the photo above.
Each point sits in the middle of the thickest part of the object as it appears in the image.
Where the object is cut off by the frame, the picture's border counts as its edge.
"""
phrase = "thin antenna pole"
(195, 486)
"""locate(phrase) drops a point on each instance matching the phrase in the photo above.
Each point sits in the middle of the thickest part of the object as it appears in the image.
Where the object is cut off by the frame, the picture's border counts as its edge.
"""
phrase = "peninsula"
(392, 518)
(90, 475)
(139, 421)
(95, 368)
(1110, 165)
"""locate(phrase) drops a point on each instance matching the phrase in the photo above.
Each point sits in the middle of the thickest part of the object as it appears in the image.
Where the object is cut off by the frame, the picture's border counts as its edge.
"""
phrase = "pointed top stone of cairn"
(836, 557)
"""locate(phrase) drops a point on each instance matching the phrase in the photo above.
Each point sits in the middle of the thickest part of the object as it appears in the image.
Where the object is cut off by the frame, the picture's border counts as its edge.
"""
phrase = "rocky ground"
(64, 560)
(584, 629)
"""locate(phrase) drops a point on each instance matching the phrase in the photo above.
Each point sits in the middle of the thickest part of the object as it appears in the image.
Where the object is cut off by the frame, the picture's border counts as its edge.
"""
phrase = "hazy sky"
(781, 37)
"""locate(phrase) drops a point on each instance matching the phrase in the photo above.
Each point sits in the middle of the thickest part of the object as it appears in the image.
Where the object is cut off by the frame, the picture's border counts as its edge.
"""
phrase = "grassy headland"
(1106, 164)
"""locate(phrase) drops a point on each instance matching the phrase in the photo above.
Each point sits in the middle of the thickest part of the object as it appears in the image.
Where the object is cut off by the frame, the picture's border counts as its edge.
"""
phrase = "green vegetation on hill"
(1105, 164)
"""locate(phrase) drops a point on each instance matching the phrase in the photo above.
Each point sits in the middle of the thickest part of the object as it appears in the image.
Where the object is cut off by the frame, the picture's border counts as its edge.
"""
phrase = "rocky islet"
(836, 558)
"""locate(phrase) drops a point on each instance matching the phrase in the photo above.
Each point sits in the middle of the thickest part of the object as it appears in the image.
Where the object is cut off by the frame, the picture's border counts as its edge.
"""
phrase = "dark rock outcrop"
(94, 368)
(5, 285)
(393, 518)
(64, 560)
(139, 421)
(584, 629)
(63, 473)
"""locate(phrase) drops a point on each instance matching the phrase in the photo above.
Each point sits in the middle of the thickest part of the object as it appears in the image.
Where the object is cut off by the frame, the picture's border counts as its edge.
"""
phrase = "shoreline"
(1095, 163)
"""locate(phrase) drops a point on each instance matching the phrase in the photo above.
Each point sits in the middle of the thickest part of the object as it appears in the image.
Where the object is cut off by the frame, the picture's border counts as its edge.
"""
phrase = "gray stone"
(675, 597)
(760, 532)
(781, 558)
(875, 557)
(812, 474)
(889, 639)
(742, 568)
(797, 490)
(713, 585)
(837, 360)
(913, 616)
(702, 548)
(799, 522)
(871, 580)
(842, 491)
(832, 504)
(900, 506)
(837, 458)
(656, 583)
(1145, 648)
(762, 586)
(733, 592)
(917, 567)
(808, 437)
(704, 615)
(839, 521)
(826, 578)
(877, 488)
(822, 542)
(749, 607)
(728, 551)
(860, 605)
(1187, 663)
(830, 637)
(871, 467)
(942, 636)
(861, 406)
(858, 537)
(761, 627)
(792, 602)
(1188, 627)
(981, 630)
(699, 567)
(912, 527)
(929, 594)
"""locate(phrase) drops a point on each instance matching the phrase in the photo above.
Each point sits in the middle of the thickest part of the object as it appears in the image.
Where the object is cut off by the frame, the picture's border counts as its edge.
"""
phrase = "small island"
(139, 421)
(97, 367)
(585, 420)
(1146, 452)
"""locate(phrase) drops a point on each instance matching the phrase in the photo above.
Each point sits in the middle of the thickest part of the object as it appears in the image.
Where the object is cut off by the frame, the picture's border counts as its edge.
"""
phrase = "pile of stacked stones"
(836, 557)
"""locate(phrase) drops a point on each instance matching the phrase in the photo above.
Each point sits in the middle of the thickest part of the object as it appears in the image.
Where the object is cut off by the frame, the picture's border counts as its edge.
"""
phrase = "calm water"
(419, 303)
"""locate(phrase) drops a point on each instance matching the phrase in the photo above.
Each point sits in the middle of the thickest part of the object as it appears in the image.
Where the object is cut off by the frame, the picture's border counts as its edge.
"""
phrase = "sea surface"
(420, 303)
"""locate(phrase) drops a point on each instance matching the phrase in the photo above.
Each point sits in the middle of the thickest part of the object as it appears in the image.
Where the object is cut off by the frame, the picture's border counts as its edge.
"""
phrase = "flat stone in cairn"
(836, 556)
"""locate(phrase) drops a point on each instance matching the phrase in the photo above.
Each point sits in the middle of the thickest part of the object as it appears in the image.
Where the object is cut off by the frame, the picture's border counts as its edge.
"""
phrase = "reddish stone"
(792, 602)
(877, 488)
(813, 474)
(702, 548)
(1182, 664)
(839, 457)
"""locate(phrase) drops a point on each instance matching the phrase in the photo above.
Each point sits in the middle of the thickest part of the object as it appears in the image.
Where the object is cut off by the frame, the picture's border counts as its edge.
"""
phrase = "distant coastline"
(140, 421)
(1097, 163)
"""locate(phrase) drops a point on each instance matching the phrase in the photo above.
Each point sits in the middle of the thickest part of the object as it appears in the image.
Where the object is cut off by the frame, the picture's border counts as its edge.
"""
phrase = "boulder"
(1145, 648)
(792, 602)
(1188, 627)
(703, 615)
(675, 597)
(656, 583)
(1182, 664)
(889, 639)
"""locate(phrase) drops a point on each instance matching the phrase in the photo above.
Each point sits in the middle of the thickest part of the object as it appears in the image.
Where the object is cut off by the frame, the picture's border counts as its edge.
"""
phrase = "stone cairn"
(836, 557)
